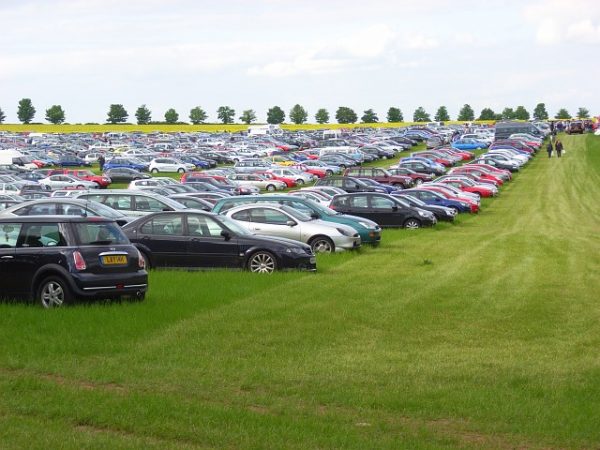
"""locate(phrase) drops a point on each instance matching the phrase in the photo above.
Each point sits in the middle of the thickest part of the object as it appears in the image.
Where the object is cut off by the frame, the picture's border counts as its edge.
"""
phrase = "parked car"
(101, 180)
(469, 144)
(416, 177)
(369, 231)
(124, 175)
(381, 176)
(437, 199)
(258, 181)
(441, 213)
(57, 260)
(192, 202)
(169, 165)
(207, 240)
(288, 172)
(129, 163)
(282, 221)
(66, 207)
(384, 209)
(132, 202)
(67, 182)
(71, 161)
(348, 184)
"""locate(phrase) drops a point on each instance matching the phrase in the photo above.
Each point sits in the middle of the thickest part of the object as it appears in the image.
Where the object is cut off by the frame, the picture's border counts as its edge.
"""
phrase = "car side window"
(121, 202)
(242, 215)
(382, 203)
(9, 234)
(170, 225)
(148, 204)
(359, 201)
(40, 235)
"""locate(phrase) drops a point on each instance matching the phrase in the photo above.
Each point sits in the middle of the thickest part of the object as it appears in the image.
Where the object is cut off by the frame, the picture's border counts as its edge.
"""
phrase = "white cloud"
(420, 42)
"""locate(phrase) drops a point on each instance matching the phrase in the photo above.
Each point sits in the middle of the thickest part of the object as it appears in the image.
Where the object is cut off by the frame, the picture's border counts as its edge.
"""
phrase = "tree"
(508, 114)
(197, 115)
(521, 113)
(466, 114)
(143, 115)
(540, 113)
(117, 114)
(441, 115)
(487, 114)
(248, 116)
(583, 113)
(369, 116)
(322, 116)
(26, 111)
(226, 114)
(2, 116)
(275, 115)
(420, 115)
(298, 114)
(345, 115)
(171, 116)
(562, 114)
(55, 114)
(394, 115)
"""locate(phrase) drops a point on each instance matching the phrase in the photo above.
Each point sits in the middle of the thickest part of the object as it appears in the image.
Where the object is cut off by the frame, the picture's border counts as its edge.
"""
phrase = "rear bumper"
(95, 286)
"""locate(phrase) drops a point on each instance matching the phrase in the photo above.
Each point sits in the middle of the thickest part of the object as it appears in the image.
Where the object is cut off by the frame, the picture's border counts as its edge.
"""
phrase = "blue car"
(469, 144)
(433, 198)
(128, 163)
(71, 161)
(435, 167)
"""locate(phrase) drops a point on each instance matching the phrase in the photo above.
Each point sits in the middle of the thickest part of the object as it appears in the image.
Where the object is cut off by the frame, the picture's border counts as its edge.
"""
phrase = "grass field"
(478, 334)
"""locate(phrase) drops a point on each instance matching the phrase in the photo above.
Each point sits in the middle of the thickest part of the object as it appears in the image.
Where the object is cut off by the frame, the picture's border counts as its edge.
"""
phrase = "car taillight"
(79, 261)
(141, 261)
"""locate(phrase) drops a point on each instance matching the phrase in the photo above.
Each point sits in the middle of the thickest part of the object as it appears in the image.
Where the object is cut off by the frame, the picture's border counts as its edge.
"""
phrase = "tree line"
(298, 115)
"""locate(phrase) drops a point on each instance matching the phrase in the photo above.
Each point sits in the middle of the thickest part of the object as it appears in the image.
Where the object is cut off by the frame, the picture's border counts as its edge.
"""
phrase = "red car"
(470, 186)
(438, 158)
(101, 180)
(317, 171)
(442, 189)
(289, 182)
(464, 154)
(478, 173)
(502, 173)
(417, 177)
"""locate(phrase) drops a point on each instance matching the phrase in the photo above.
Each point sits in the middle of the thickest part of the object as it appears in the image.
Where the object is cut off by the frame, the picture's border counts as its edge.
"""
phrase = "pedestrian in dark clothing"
(549, 149)
(101, 161)
(559, 148)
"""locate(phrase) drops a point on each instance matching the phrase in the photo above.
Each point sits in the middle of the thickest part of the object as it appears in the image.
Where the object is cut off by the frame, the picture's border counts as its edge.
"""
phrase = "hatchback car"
(207, 240)
(386, 210)
(282, 221)
(56, 260)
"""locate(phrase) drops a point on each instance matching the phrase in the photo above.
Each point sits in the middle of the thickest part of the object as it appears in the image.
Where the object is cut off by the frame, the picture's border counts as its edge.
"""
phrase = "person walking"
(559, 148)
(101, 161)
(549, 149)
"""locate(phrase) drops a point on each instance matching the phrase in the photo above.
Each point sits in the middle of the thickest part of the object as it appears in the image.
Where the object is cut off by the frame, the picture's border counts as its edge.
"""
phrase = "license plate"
(114, 260)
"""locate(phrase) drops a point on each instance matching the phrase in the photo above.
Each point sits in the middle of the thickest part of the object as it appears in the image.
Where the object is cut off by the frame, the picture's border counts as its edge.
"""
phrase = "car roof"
(52, 219)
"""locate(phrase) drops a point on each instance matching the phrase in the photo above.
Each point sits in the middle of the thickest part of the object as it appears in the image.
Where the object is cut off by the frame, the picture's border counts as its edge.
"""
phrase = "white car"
(297, 175)
(266, 219)
(169, 165)
(61, 181)
(253, 179)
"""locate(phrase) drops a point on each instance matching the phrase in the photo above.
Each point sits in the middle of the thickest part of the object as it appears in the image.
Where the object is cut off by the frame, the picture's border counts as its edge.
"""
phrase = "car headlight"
(465, 204)
(367, 225)
(297, 250)
(344, 232)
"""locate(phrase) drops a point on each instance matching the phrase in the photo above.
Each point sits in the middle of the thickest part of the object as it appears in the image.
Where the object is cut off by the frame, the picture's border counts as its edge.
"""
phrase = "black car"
(386, 210)
(124, 175)
(205, 240)
(348, 184)
(440, 212)
(58, 259)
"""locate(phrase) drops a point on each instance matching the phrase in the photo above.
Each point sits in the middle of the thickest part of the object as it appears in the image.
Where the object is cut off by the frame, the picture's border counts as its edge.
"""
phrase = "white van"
(17, 158)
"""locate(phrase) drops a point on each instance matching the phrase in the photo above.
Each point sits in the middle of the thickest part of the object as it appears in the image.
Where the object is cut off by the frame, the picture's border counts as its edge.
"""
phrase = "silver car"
(282, 221)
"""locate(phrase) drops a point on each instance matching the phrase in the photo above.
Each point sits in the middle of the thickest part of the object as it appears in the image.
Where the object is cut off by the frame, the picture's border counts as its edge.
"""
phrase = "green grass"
(478, 334)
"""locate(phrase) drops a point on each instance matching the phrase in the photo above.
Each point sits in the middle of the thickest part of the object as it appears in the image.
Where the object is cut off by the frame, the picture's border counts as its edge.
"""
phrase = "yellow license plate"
(114, 260)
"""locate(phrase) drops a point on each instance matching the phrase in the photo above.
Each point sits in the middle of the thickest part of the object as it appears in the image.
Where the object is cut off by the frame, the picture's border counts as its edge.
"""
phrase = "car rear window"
(99, 233)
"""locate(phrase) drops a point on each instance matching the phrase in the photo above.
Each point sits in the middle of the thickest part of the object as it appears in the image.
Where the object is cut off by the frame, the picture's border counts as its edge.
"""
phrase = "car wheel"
(155, 170)
(455, 209)
(262, 262)
(299, 181)
(412, 224)
(328, 173)
(181, 170)
(418, 181)
(322, 244)
(53, 292)
(270, 187)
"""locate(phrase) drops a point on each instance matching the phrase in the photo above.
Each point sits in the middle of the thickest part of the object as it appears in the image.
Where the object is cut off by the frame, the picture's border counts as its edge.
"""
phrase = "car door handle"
(256, 229)
(7, 257)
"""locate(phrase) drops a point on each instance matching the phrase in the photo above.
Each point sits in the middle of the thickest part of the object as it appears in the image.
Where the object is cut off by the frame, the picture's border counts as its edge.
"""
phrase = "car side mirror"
(314, 215)
(291, 223)
(226, 234)
(395, 208)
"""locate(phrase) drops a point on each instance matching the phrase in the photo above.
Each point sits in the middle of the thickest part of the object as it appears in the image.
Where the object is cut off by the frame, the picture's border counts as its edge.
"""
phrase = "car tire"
(418, 181)
(455, 209)
(53, 292)
(270, 187)
(262, 262)
(299, 181)
(322, 244)
(155, 170)
(181, 170)
(412, 223)
(328, 173)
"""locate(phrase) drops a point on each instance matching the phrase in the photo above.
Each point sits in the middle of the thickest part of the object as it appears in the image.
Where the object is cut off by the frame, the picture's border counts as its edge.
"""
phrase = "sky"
(87, 54)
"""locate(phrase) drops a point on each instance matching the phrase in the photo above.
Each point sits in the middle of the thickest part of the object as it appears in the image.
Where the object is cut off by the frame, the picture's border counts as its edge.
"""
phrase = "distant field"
(210, 128)
(482, 334)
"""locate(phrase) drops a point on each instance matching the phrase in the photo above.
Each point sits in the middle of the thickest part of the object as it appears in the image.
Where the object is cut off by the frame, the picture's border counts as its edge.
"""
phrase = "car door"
(163, 235)
(10, 267)
(358, 205)
(385, 211)
(206, 245)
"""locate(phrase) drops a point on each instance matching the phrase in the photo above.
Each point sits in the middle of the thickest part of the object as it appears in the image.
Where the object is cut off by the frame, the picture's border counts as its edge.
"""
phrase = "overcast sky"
(87, 54)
